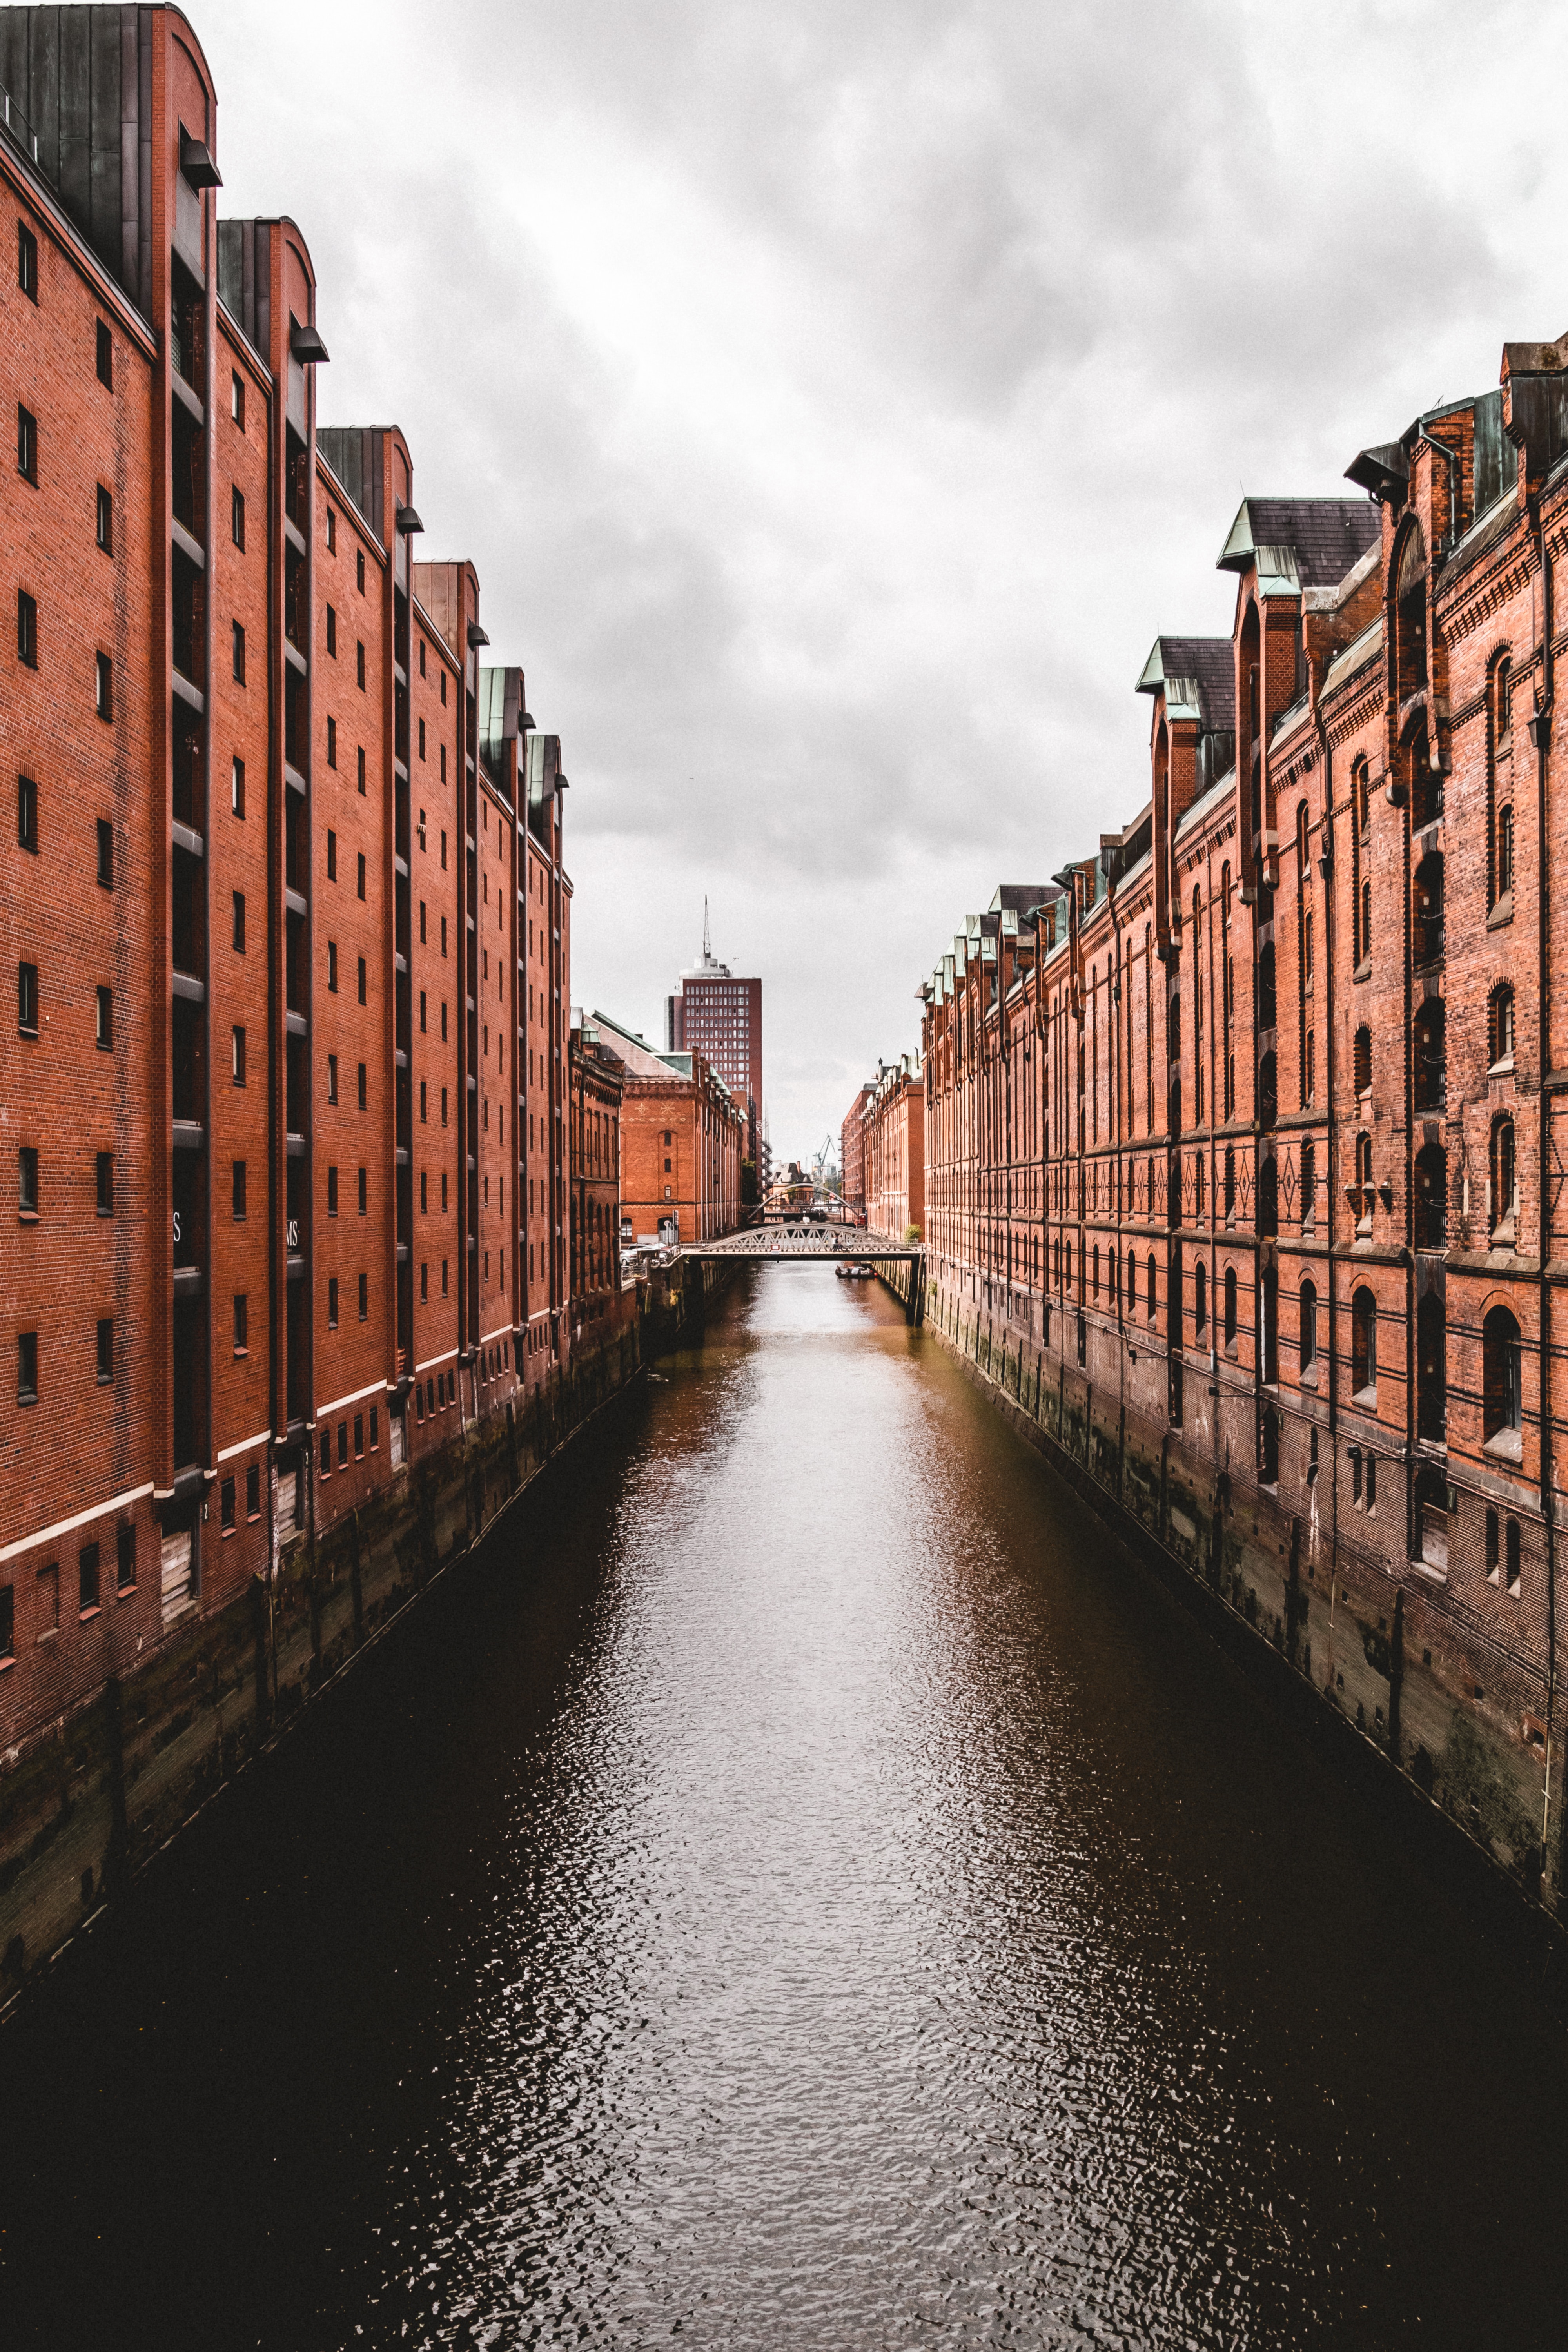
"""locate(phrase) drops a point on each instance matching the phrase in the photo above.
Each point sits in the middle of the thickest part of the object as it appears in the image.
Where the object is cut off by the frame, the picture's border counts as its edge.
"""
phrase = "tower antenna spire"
(707, 941)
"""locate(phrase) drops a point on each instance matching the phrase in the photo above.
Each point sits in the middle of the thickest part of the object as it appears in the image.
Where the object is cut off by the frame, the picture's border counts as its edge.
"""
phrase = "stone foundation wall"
(1445, 1722)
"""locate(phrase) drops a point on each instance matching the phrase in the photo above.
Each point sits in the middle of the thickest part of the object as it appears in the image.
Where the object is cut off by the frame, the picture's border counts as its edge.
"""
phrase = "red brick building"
(852, 1152)
(1240, 1133)
(683, 1139)
(595, 1080)
(286, 1091)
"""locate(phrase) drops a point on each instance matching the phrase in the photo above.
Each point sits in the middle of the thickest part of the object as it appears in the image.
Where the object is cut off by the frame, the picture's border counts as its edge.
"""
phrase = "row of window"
(47, 1591)
(359, 1440)
(28, 1003)
(27, 655)
(27, 1377)
(28, 1196)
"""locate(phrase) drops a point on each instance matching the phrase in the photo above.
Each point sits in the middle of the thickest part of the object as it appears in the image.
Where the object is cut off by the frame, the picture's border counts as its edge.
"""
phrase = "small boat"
(854, 1273)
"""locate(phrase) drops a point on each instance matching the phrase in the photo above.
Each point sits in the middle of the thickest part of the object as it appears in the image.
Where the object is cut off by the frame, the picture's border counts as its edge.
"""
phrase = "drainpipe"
(1540, 735)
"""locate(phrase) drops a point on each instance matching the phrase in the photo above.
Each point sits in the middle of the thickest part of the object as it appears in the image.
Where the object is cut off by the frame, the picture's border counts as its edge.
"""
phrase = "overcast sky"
(836, 399)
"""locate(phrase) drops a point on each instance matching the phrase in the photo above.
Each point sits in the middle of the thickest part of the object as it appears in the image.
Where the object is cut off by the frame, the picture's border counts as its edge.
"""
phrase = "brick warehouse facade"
(1245, 1133)
(882, 1141)
(286, 902)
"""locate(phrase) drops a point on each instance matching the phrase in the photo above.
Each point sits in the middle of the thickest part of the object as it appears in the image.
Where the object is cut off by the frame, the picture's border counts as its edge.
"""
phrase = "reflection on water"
(803, 1891)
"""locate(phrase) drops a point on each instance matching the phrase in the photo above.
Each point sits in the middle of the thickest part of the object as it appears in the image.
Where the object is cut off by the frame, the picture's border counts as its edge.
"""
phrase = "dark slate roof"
(1330, 536)
(1020, 897)
(1211, 660)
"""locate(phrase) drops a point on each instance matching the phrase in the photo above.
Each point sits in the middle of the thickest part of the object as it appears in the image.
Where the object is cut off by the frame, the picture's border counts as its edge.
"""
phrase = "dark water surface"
(807, 1891)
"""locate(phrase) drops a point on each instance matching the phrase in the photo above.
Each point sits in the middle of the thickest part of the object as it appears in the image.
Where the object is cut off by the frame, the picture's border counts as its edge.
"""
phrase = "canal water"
(804, 1889)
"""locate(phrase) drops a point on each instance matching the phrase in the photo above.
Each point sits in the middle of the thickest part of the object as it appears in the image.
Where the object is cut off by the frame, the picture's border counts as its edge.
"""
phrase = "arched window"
(1229, 1181)
(1150, 1296)
(1432, 1198)
(1431, 1370)
(1504, 853)
(1131, 1282)
(1361, 793)
(1431, 1069)
(1503, 1204)
(1231, 1306)
(1499, 1027)
(1309, 1340)
(1511, 1556)
(1309, 1184)
(1303, 859)
(1427, 913)
(1097, 1269)
(1364, 943)
(1503, 1407)
(1502, 699)
(1364, 1346)
(1361, 1060)
(1200, 1298)
(1268, 1195)
(1309, 1070)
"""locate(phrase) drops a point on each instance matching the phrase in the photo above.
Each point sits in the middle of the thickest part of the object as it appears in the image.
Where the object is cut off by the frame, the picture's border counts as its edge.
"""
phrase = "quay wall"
(1428, 1717)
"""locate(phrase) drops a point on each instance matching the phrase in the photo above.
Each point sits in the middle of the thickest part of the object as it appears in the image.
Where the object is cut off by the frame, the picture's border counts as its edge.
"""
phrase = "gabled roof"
(1299, 543)
(1022, 897)
(1198, 676)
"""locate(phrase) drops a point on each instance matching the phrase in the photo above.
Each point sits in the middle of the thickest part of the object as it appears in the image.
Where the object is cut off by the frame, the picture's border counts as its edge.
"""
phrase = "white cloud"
(837, 402)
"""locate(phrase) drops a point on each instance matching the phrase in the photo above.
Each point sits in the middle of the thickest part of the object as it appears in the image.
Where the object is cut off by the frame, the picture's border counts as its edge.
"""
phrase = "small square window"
(332, 1078)
(332, 1191)
(125, 1560)
(239, 922)
(362, 1099)
(253, 1491)
(26, 261)
(105, 357)
(86, 1579)
(27, 629)
(105, 1348)
(27, 1179)
(105, 688)
(105, 1020)
(331, 743)
(238, 654)
(236, 789)
(26, 445)
(28, 813)
(106, 853)
(361, 1193)
(237, 404)
(225, 1507)
(238, 1191)
(241, 1322)
(362, 979)
(239, 1057)
(332, 1302)
(362, 768)
(332, 855)
(105, 520)
(359, 664)
(105, 1175)
(26, 1367)
(236, 517)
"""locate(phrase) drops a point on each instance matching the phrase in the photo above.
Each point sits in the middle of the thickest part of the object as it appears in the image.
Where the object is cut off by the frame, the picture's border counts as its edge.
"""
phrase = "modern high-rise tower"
(716, 1014)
